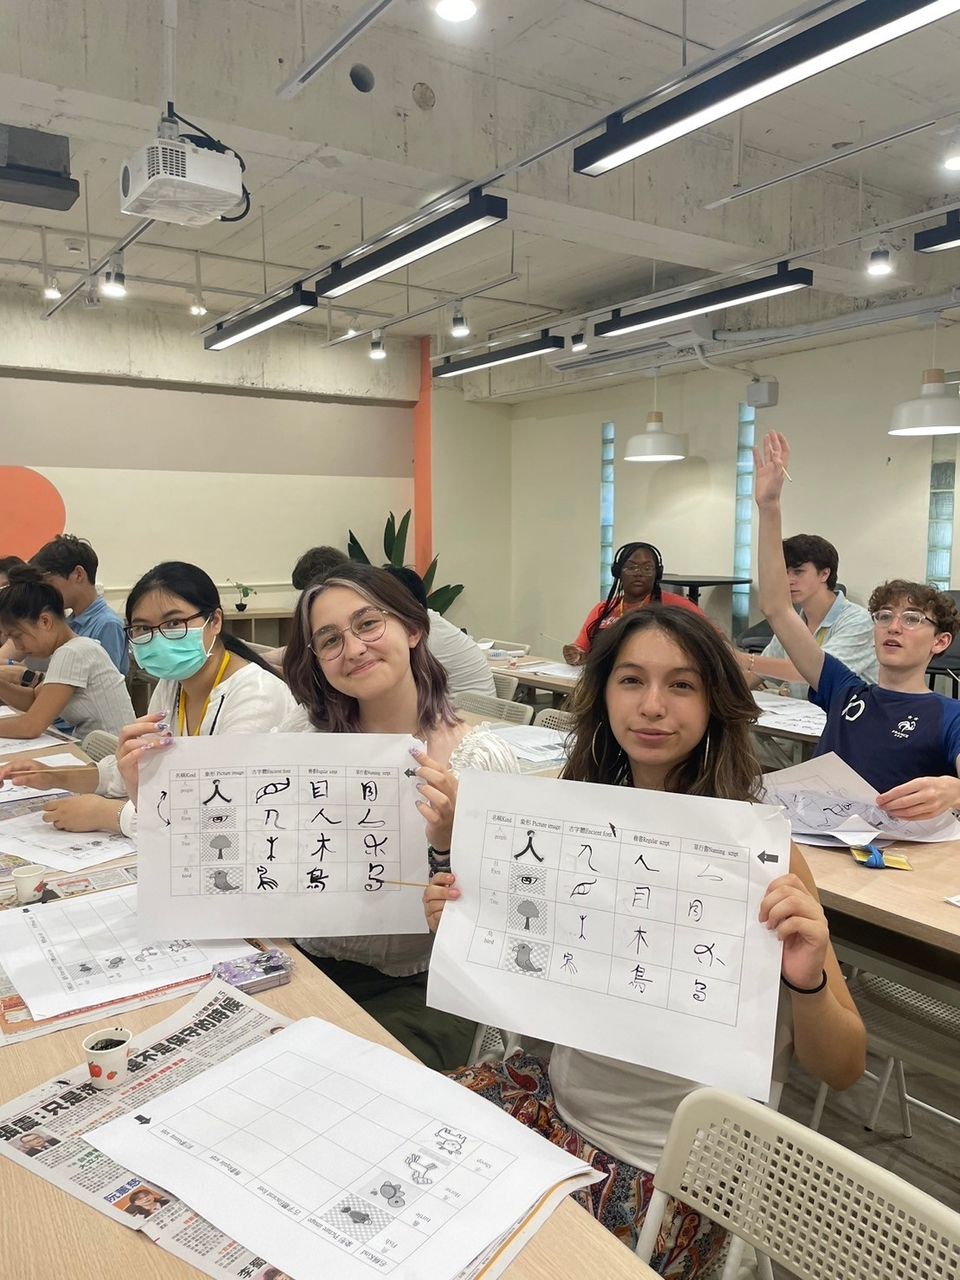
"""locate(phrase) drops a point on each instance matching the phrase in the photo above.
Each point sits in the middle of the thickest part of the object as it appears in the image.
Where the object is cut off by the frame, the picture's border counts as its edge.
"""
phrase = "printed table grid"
(253, 830)
(390, 1198)
(651, 919)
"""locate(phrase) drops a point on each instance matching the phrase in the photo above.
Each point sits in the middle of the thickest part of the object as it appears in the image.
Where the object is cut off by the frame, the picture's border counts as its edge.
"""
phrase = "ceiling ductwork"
(35, 169)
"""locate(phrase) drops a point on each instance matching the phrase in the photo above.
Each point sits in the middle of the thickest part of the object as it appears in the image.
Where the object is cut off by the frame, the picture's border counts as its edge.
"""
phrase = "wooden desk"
(528, 680)
(896, 922)
(48, 1235)
(694, 583)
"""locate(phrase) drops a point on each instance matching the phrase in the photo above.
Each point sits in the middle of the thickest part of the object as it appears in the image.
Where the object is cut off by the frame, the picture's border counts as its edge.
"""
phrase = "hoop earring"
(593, 745)
(706, 751)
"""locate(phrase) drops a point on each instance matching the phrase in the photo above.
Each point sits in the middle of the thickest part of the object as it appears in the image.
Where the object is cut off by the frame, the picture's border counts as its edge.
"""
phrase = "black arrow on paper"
(409, 773)
(768, 857)
(612, 827)
(142, 1119)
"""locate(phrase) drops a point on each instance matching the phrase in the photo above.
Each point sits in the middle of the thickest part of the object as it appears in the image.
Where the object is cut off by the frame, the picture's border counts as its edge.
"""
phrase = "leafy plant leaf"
(355, 551)
(441, 599)
(429, 576)
(389, 537)
(400, 542)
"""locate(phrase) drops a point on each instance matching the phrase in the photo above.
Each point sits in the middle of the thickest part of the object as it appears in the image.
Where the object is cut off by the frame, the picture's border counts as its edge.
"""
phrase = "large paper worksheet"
(290, 834)
(30, 837)
(618, 921)
(27, 746)
(335, 1157)
(82, 951)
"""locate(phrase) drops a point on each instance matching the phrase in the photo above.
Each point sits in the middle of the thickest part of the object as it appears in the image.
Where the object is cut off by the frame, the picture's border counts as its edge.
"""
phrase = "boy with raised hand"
(900, 736)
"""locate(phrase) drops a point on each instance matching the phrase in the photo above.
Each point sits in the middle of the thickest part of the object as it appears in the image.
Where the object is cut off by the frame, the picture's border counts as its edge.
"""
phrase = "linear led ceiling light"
(502, 355)
(838, 39)
(936, 239)
(477, 214)
(292, 304)
(787, 280)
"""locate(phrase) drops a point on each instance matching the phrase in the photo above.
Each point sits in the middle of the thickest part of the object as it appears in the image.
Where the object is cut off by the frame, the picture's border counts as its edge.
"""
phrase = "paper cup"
(107, 1051)
(29, 883)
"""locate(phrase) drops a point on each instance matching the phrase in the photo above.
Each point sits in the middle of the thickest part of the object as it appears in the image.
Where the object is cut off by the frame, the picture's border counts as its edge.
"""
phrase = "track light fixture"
(786, 280)
(501, 355)
(353, 327)
(295, 303)
(936, 239)
(846, 35)
(51, 290)
(951, 157)
(477, 214)
(377, 350)
(458, 325)
(880, 262)
(455, 10)
(578, 342)
(113, 282)
(198, 307)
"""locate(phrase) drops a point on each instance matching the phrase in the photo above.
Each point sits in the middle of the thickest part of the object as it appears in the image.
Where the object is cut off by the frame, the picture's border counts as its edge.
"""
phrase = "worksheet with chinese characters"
(332, 1156)
(311, 834)
(618, 921)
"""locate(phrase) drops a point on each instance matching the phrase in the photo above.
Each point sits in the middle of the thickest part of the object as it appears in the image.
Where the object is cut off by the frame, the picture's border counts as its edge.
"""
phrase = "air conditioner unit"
(174, 181)
(665, 340)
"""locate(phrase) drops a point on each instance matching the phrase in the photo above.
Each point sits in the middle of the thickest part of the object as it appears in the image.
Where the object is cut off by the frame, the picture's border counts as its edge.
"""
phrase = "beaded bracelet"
(438, 859)
(806, 991)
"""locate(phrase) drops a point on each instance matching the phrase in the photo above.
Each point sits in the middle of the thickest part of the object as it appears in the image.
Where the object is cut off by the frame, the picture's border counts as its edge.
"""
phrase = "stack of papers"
(554, 670)
(794, 715)
(828, 803)
(533, 743)
(27, 746)
(30, 837)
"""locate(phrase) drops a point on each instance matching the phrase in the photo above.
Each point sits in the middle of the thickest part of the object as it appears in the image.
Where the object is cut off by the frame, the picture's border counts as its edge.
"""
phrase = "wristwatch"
(30, 678)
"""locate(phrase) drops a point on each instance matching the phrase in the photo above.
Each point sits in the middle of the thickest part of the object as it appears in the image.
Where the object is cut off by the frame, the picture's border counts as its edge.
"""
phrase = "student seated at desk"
(636, 571)
(313, 565)
(837, 624)
(70, 564)
(465, 663)
(82, 686)
(900, 736)
(209, 683)
(662, 705)
(358, 662)
(6, 563)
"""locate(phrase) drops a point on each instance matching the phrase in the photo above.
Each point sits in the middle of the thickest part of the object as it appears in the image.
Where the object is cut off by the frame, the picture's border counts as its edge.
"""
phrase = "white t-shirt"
(249, 701)
(101, 700)
(465, 663)
(400, 955)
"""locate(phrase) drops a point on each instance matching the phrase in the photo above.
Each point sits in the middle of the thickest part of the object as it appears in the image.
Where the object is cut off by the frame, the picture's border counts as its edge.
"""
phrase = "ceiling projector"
(170, 180)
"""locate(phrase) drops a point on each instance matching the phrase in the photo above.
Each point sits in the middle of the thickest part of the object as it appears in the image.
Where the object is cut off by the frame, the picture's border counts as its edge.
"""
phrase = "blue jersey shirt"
(887, 737)
(99, 622)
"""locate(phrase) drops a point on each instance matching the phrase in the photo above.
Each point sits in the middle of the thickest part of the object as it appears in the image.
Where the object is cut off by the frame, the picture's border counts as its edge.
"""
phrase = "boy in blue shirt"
(70, 564)
(900, 736)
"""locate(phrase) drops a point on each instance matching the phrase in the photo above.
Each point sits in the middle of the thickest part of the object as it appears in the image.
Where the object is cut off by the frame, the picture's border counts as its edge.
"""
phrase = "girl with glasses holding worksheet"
(358, 662)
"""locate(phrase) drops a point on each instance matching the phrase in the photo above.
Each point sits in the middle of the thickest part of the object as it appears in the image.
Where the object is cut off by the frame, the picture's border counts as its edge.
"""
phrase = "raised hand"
(770, 463)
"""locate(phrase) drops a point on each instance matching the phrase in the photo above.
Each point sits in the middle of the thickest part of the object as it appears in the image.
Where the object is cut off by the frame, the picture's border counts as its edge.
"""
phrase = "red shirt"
(583, 640)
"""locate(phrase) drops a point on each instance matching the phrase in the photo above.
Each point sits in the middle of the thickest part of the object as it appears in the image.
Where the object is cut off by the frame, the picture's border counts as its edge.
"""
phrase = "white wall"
(852, 483)
(471, 509)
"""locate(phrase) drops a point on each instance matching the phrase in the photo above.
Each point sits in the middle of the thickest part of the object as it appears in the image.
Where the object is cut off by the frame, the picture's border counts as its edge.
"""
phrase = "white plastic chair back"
(506, 686)
(98, 744)
(553, 719)
(496, 708)
(821, 1211)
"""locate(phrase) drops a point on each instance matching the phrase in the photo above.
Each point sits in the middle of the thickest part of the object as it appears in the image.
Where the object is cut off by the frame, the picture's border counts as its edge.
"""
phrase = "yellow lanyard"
(182, 703)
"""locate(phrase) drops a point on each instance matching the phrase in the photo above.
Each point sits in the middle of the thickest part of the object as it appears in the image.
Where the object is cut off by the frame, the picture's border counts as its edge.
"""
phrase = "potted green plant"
(394, 547)
(243, 591)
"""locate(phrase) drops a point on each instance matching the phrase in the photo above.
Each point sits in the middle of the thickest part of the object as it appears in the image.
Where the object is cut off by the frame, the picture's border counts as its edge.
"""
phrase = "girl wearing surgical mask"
(209, 682)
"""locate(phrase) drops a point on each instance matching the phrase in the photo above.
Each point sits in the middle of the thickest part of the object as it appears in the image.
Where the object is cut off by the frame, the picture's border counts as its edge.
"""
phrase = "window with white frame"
(607, 473)
(743, 516)
(943, 475)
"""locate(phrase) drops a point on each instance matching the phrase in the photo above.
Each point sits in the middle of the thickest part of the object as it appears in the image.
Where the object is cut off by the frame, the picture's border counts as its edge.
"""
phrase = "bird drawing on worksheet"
(523, 960)
(222, 883)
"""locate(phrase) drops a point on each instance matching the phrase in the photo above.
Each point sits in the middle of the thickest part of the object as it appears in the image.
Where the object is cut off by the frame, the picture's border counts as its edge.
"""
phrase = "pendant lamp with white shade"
(935, 412)
(654, 444)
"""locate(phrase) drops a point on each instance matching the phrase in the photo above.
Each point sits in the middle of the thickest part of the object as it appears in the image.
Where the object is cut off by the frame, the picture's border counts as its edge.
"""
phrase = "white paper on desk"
(333, 1156)
(61, 760)
(77, 952)
(533, 742)
(27, 746)
(794, 715)
(554, 670)
(30, 837)
(302, 834)
(9, 794)
(618, 921)
(824, 797)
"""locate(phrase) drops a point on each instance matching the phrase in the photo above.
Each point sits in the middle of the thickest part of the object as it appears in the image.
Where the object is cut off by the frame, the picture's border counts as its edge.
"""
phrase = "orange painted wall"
(31, 511)
(422, 464)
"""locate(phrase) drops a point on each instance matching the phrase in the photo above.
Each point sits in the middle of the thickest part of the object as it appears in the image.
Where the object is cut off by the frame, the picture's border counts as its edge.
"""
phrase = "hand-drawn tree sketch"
(529, 911)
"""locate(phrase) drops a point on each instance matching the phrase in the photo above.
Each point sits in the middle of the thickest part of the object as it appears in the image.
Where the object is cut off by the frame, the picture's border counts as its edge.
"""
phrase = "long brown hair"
(723, 764)
(334, 712)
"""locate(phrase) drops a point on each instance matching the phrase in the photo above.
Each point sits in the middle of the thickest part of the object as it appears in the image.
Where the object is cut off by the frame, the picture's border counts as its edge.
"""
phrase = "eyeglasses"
(368, 625)
(910, 619)
(176, 629)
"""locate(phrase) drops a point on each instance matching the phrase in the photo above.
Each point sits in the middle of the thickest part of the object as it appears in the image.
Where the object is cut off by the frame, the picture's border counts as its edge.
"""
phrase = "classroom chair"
(812, 1206)
(903, 1027)
(756, 637)
(551, 718)
(513, 646)
(98, 744)
(496, 708)
(506, 686)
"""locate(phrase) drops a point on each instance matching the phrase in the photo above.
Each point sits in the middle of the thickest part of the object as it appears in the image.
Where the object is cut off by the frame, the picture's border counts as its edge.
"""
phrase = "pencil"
(408, 884)
(786, 473)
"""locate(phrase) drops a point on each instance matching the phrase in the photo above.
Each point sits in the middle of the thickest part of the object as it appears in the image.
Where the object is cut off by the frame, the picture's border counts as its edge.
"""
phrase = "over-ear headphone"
(624, 553)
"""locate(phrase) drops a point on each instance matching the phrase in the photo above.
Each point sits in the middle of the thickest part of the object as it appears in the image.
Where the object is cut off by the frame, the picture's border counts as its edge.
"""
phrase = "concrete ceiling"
(335, 164)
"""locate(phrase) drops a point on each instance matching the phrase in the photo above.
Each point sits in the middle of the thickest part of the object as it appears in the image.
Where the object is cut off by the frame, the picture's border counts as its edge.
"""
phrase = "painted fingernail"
(163, 727)
(416, 753)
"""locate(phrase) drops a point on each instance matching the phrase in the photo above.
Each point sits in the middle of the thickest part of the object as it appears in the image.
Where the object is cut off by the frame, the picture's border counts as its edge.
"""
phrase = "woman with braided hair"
(636, 570)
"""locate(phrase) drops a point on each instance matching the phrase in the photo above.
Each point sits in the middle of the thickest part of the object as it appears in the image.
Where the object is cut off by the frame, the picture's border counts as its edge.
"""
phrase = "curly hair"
(937, 604)
(723, 764)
